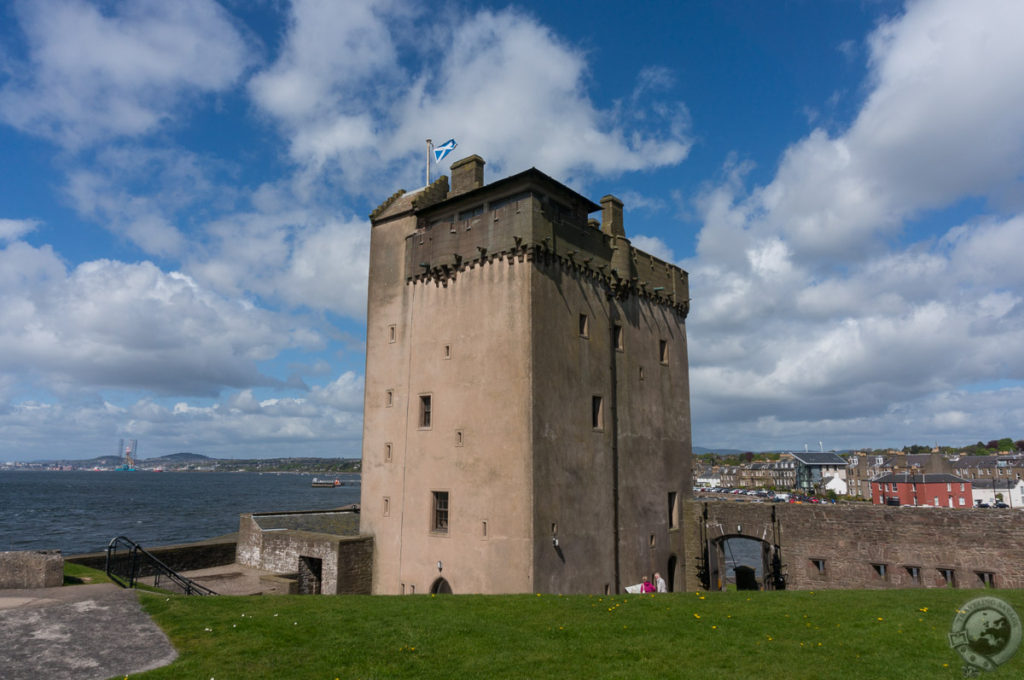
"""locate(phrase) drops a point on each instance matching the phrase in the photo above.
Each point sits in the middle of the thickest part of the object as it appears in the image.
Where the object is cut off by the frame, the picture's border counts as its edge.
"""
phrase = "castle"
(527, 413)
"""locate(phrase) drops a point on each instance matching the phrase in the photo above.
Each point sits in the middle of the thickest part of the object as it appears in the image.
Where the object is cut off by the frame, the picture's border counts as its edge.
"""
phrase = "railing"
(125, 568)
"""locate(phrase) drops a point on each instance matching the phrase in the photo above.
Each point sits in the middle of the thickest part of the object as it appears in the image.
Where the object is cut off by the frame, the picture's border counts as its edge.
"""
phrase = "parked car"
(1000, 504)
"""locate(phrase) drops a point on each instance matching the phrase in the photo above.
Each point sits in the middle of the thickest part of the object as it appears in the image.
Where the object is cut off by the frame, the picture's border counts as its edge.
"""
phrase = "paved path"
(78, 632)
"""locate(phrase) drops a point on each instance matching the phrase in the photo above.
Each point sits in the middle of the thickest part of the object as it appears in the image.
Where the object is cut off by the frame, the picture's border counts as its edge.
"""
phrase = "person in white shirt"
(660, 582)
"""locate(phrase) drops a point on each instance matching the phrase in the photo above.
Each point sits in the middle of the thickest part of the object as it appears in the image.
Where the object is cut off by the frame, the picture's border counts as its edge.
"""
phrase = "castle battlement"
(527, 217)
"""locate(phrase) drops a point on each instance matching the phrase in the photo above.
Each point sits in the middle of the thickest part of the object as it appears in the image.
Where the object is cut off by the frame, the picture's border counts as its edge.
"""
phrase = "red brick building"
(936, 490)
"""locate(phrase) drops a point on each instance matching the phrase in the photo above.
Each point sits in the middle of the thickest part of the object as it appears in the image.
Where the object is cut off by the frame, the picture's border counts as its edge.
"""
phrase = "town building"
(527, 420)
(814, 469)
(993, 492)
(932, 490)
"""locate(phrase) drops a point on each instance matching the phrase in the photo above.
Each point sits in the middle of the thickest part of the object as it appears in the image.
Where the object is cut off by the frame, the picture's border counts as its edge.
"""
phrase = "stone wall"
(874, 547)
(183, 557)
(31, 569)
(271, 542)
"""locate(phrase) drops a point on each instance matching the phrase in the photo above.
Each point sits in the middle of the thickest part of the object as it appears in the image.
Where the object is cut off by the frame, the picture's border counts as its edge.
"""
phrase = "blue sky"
(184, 189)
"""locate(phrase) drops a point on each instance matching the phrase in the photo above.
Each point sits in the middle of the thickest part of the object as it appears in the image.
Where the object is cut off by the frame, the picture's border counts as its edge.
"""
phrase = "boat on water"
(326, 482)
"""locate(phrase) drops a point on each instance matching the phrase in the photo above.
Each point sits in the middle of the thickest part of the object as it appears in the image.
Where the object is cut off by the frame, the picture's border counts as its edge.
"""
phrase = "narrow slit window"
(387, 452)
(425, 410)
(440, 518)
(882, 571)
(459, 438)
(915, 575)
(597, 412)
(673, 510)
(483, 529)
(650, 542)
(642, 375)
(617, 340)
(948, 577)
(387, 506)
(819, 565)
(987, 578)
(447, 351)
(663, 351)
(392, 333)
(389, 398)
(584, 326)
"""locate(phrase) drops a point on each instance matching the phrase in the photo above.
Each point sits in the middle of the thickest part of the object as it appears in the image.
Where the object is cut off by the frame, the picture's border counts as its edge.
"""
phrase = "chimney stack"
(611, 216)
(467, 174)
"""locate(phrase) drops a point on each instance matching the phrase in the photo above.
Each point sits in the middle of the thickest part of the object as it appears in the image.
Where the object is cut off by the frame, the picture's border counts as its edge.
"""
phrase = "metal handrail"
(136, 556)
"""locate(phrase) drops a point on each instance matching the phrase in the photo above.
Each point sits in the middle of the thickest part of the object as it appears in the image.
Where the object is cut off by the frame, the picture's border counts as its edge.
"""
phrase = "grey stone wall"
(183, 557)
(850, 540)
(267, 542)
(31, 569)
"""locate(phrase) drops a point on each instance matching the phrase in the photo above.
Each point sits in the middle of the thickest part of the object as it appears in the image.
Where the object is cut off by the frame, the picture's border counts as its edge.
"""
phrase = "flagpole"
(430, 146)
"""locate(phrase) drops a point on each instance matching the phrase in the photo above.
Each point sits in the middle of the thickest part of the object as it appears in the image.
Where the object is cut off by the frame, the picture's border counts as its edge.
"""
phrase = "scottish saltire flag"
(441, 151)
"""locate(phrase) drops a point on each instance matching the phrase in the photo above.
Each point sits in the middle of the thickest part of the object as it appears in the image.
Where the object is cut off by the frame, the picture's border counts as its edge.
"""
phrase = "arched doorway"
(749, 563)
(671, 573)
(441, 587)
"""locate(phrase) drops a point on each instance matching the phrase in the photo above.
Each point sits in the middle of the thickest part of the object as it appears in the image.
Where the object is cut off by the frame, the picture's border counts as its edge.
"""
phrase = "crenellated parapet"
(388, 202)
(435, 192)
(527, 228)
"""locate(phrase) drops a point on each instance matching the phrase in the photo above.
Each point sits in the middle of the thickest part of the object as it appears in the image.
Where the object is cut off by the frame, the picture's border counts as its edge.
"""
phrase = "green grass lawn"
(827, 634)
(76, 574)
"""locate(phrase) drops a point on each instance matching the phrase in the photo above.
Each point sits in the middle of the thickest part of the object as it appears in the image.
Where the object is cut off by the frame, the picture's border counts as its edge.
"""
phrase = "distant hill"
(184, 457)
(700, 451)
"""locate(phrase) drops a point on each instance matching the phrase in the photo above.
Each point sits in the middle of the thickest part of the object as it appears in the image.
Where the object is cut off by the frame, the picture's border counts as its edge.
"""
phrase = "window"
(387, 506)
(597, 413)
(392, 333)
(949, 486)
(961, 500)
(819, 565)
(617, 337)
(935, 501)
(987, 578)
(948, 577)
(425, 411)
(584, 326)
(641, 372)
(894, 486)
(673, 510)
(882, 571)
(483, 529)
(447, 351)
(962, 486)
(440, 515)
(663, 351)
(389, 398)
(458, 438)
(915, 575)
(650, 542)
(387, 452)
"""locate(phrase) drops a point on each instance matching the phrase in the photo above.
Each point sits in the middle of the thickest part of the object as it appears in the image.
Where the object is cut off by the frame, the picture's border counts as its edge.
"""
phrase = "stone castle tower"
(527, 410)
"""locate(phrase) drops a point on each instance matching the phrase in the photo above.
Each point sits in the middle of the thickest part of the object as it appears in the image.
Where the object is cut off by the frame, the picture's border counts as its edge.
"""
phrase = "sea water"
(79, 512)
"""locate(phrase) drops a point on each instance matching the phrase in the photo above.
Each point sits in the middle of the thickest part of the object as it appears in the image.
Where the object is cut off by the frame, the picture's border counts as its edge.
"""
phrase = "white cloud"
(92, 74)
(807, 316)
(12, 230)
(113, 325)
(505, 86)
